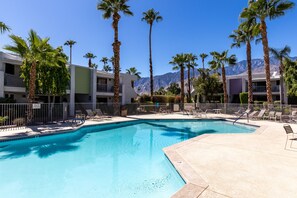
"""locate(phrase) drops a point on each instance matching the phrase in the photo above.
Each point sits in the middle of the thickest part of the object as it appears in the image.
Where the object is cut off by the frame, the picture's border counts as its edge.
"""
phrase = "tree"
(4, 28)
(290, 75)
(90, 56)
(150, 17)
(281, 55)
(33, 54)
(203, 56)
(105, 67)
(191, 64)
(207, 86)
(161, 92)
(244, 35)
(133, 71)
(262, 9)
(218, 62)
(112, 8)
(70, 43)
(178, 61)
(174, 89)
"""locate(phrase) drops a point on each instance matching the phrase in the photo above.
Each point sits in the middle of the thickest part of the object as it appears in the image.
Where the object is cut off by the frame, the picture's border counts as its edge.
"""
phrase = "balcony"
(258, 89)
(107, 88)
(13, 81)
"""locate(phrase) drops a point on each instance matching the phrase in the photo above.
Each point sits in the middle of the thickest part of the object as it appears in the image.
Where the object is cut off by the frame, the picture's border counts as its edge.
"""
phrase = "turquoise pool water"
(116, 160)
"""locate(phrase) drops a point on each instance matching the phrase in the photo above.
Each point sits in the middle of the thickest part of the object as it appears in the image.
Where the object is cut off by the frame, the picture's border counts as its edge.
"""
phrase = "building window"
(132, 100)
(132, 83)
(9, 69)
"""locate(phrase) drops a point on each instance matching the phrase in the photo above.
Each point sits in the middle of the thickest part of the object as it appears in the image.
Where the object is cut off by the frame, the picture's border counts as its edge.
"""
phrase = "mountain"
(142, 86)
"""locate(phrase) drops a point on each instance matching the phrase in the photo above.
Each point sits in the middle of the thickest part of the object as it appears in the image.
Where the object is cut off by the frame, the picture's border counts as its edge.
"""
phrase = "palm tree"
(70, 43)
(203, 56)
(262, 9)
(281, 55)
(133, 71)
(178, 61)
(150, 17)
(90, 56)
(112, 8)
(32, 53)
(191, 64)
(4, 28)
(218, 62)
(244, 35)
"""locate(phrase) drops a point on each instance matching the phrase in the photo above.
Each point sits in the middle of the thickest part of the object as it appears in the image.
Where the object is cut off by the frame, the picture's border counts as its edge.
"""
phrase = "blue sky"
(194, 26)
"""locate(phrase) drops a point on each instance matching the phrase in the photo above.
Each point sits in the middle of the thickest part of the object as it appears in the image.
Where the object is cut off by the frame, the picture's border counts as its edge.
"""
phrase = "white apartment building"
(87, 84)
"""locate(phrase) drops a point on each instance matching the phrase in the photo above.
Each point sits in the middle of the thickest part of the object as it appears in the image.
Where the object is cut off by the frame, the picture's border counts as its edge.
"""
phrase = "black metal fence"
(14, 115)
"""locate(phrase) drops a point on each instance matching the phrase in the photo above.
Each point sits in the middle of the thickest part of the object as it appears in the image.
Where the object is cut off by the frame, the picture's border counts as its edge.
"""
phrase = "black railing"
(13, 81)
(106, 88)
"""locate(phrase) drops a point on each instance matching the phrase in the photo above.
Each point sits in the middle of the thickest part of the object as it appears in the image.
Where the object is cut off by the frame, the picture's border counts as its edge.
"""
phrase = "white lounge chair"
(290, 132)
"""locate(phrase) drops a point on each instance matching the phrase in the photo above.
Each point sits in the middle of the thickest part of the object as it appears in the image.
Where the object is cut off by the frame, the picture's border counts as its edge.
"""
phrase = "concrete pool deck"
(218, 165)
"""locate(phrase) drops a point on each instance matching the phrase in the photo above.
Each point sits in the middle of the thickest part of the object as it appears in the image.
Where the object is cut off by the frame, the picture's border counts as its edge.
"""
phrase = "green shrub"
(6, 100)
(243, 98)
(160, 99)
(144, 98)
(3, 119)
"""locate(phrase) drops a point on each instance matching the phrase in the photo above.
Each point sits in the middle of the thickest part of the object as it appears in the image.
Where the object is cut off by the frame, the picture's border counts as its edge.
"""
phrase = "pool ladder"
(247, 115)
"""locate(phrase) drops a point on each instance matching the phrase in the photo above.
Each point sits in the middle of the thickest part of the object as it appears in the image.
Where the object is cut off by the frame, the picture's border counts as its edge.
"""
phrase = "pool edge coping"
(185, 170)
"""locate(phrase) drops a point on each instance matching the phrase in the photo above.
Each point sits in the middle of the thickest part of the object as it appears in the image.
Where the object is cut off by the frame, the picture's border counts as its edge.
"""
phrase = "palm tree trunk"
(90, 63)
(151, 62)
(31, 95)
(263, 29)
(189, 85)
(224, 85)
(116, 50)
(182, 82)
(70, 55)
(250, 80)
(282, 89)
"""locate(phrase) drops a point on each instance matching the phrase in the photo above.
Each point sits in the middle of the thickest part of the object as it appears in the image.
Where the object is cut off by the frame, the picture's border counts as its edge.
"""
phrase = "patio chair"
(260, 115)
(198, 113)
(101, 115)
(289, 132)
(239, 112)
(253, 114)
(270, 115)
(91, 115)
(277, 116)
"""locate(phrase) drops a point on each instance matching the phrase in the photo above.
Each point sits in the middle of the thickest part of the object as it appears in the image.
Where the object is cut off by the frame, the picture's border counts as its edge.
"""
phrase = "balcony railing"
(263, 89)
(13, 81)
(106, 88)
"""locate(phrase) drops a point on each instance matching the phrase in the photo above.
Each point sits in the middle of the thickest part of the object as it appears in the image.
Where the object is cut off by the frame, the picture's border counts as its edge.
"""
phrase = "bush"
(160, 99)
(177, 99)
(6, 100)
(19, 121)
(3, 119)
(144, 98)
(243, 98)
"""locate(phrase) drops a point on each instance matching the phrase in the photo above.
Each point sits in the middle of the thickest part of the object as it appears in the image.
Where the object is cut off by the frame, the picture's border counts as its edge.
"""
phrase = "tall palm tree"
(33, 53)
(203, 56)
(70, 43)
(112, 9)
(133, 71)
(218, 62)
(178, 61)
(104, 60)
(244, 35)
(90, 56)
(4, 28)
(150, 17)
(281, 55)
(262, 9)
(191, 64)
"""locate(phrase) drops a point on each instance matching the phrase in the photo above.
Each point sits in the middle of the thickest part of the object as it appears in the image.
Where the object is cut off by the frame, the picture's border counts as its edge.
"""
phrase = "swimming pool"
(114, 160)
